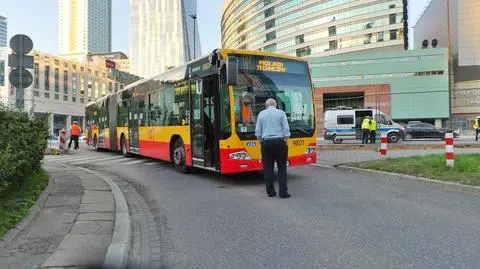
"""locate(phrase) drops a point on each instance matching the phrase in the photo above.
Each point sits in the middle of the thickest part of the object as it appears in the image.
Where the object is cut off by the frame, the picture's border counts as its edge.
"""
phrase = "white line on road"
(97, 160)
(151, 163)
(135, 162)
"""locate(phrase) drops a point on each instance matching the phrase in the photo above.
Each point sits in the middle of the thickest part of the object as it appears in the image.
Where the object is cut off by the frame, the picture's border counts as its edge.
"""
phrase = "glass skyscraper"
(162, 35)
(84, 26)
(314, 27)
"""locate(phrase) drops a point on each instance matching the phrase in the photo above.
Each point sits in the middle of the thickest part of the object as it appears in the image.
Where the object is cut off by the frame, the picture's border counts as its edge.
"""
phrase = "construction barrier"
(383, 144)
(449, 149)
(62, 140)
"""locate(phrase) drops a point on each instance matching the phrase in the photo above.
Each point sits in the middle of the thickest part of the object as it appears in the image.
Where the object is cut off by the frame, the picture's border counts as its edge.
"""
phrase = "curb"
(427, 181)
(32, 213)
(117, 253)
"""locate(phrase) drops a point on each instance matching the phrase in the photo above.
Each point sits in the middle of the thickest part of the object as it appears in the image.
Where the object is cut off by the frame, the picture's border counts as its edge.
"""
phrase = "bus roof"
(181, 70)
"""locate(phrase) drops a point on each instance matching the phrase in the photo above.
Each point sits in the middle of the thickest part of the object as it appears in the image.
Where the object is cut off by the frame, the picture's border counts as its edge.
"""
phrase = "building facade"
(162, 35)
(456, 24)
(84, 26)
(315, 27)
(62, 88)
(3, 31)
(406, 85)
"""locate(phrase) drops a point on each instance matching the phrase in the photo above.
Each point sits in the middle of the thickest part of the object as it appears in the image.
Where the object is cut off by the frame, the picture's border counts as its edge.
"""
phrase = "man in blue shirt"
(272, 131)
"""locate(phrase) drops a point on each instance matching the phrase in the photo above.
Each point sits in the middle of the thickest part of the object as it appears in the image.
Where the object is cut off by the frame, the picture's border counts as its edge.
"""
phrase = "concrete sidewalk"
(73, 229)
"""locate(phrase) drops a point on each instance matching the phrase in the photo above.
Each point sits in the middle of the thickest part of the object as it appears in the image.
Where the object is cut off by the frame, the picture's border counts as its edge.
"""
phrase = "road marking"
(100, 160)
(73, 159)
(151, 163)
(119, 160)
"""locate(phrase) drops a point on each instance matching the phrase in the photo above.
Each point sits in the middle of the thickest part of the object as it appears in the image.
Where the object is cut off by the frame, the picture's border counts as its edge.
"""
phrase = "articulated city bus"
(203, 114)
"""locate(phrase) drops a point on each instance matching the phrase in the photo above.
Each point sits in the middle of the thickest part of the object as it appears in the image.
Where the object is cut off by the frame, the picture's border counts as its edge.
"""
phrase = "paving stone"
(62, 201)
(96, 216)
(92, 227)
(97, 197)
(96, 208)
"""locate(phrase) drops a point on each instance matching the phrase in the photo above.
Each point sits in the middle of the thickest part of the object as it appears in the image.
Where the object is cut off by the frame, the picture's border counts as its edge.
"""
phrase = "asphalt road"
(335, 219)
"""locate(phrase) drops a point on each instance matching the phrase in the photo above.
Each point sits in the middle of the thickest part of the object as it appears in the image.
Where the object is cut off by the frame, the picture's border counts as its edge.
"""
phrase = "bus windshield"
(286, 81)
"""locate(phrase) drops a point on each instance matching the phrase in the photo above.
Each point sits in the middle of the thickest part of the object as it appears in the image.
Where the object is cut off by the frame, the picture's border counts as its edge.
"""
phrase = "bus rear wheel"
(179, 157)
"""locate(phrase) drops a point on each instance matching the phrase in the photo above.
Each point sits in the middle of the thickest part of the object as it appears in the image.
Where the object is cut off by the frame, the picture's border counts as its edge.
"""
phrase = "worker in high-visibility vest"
(366, 125)
(75, 133)
(476, 126)
(373, 131)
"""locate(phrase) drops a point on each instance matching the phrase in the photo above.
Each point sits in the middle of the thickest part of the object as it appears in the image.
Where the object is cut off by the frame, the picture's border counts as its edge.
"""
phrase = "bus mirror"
(232, 71)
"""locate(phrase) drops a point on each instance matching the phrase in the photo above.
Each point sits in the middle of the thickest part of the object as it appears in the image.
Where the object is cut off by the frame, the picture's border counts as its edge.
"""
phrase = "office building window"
(393, 18)
(269, 12)
(271, 48)
(270, 36)
(65, 65)
(47, 78)
(36, 74)
(65, 98)
(332, 30)
(380, 37)
(82, 100)
(56, 96)
(332, 45)
(367, 39)
(74, 84)
(74, 67)
(393, 34)
(46, 95)
(302, 52)
(57, 88)
(65, 82)
(267, 2)
(2, 73)
(269, 24)
(74, 99)
(299, 39)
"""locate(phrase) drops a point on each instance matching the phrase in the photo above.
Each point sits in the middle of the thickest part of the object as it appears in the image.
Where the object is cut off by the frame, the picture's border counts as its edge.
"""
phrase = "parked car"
(421, 130)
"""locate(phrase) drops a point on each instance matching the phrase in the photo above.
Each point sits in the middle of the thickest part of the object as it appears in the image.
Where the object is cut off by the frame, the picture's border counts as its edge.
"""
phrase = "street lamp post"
(194, 17)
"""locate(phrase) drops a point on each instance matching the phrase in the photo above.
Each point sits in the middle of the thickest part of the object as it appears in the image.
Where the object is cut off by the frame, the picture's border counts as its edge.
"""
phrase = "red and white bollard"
(383, 145)
(62, 140)
(449, 149)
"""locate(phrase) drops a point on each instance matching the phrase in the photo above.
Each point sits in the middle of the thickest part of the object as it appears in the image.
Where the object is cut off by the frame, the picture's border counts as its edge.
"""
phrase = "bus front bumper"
(229, 166)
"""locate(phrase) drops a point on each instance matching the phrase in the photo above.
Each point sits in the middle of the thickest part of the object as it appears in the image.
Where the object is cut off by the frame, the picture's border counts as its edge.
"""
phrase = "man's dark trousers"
(275, 150)
(73, 138)
(366, 136)
(477, 132)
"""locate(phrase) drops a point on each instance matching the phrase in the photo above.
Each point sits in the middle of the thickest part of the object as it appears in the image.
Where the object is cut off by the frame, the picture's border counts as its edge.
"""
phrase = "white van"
(344, 123)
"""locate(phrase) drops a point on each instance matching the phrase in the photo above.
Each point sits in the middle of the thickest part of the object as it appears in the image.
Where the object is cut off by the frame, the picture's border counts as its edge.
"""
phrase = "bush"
(22, 144)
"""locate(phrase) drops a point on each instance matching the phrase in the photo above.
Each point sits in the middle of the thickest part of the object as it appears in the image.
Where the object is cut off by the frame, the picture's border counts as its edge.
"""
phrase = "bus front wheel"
(179, 156)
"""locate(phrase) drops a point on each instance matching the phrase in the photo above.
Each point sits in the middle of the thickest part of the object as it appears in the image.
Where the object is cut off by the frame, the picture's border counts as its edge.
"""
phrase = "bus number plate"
(298, 143)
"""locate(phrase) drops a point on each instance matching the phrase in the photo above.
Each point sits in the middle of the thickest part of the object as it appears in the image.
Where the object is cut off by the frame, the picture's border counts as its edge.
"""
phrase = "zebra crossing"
(98, 159)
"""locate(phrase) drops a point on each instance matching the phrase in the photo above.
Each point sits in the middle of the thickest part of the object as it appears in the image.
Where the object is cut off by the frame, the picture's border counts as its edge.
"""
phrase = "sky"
(38, 20)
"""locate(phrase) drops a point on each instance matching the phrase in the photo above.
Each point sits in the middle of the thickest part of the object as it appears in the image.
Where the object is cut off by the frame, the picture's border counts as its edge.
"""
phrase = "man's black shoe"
(285, 196)
(272, 194)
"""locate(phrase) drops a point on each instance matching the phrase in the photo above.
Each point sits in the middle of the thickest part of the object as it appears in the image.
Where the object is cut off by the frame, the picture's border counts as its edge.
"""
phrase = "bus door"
(197, 123)
(133, 119)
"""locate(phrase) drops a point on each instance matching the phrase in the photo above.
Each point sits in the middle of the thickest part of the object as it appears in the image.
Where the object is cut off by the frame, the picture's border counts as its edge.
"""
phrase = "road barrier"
(449, 149)
(62, 140)
(383, 144)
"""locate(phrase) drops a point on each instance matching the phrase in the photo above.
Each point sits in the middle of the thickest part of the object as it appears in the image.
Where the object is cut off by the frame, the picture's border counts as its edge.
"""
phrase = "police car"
(344, 123)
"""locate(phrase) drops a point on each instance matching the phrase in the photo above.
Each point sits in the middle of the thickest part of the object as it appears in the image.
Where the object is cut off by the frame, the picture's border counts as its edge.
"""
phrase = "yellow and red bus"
(203, 113)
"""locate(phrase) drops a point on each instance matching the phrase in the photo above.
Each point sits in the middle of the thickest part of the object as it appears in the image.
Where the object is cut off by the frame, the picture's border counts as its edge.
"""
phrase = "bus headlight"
(241, 155)
(311, 149)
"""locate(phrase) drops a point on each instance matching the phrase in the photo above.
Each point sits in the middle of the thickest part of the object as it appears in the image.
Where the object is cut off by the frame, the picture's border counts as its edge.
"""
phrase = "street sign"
(21, 44)
(25, 61)
(20, 78)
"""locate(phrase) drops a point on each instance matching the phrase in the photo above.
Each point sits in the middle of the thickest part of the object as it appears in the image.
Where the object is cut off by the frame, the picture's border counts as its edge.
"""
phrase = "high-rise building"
(315, 27)
(163, 35)
(3, 31)
(85, 26)
(455, 25)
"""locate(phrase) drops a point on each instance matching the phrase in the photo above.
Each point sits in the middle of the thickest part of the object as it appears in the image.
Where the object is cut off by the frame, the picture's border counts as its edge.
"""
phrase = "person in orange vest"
(75, 133)
(246, 110)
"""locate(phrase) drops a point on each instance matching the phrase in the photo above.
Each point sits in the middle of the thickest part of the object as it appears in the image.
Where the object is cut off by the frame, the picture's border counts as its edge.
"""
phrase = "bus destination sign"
(269, 66)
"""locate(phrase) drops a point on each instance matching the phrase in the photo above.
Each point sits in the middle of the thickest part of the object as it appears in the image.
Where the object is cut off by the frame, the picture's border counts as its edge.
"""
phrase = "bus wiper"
(301, 130)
